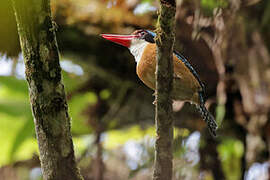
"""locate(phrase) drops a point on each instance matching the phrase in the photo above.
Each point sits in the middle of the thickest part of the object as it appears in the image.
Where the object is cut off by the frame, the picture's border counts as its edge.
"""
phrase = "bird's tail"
(207, 116)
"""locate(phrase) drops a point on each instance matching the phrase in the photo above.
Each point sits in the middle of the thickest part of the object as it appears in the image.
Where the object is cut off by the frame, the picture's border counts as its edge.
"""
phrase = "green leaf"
(230, 152)
(14, 84)
(15, 107)
(26, 131)
(9, 126)
(77, 105)
(220, 114)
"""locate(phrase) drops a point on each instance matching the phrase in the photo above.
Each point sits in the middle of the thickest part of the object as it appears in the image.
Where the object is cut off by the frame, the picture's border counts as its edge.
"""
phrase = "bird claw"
(155, 101)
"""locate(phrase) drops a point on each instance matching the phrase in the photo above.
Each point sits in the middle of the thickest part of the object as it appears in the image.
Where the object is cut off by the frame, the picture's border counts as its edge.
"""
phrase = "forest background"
(227, 42)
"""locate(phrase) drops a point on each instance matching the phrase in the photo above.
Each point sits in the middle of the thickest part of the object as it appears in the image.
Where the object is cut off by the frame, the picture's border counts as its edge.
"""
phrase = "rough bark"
(47, 95)
(164, 85)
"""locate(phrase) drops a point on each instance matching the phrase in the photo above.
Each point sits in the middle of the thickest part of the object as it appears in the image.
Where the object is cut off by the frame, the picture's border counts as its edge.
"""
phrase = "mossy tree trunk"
(47, 95)
(164, 85)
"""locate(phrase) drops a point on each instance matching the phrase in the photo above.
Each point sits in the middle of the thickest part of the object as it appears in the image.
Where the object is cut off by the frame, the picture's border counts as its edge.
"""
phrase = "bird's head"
(135, 41)
(136, 37)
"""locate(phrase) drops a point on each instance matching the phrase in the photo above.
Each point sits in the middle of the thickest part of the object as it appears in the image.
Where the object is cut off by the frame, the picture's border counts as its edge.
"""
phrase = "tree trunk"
(47, 95)
(164, 86)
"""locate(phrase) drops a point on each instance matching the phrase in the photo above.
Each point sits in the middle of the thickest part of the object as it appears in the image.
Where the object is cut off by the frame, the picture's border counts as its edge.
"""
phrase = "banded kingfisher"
(187, 85)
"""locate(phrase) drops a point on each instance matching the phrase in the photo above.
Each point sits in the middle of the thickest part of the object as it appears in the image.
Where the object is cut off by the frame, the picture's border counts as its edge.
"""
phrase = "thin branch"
(164, 86)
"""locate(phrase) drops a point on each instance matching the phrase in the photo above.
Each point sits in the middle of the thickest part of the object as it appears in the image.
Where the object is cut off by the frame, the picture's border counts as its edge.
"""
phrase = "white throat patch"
(136, 48)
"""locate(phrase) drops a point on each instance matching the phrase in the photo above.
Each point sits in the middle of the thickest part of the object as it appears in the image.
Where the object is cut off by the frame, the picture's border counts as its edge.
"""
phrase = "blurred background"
(226, 41)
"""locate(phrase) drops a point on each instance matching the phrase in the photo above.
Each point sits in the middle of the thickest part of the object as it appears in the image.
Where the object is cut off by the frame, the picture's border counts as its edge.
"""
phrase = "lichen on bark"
(164, 85)
(47, 94)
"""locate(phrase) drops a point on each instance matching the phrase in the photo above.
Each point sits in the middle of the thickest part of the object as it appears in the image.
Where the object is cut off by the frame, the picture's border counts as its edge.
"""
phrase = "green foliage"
(9, 43)
(14, 104)
(116, 138)
(105, 94)
(77, 105)
(14, 107)
(179, 135)
(79, 24)
(26, 131)
(231, 152)
(13, 86)
(220, 114)
(8, 128)
(209, 5)
(71, 81)
(16, 124)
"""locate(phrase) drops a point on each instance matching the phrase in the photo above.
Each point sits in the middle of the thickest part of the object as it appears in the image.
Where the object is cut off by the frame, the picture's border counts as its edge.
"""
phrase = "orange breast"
(186, 86)
(147, 66)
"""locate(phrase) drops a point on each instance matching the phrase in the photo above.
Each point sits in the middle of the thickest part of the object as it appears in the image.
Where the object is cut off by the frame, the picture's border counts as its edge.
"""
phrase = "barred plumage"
(207, 116)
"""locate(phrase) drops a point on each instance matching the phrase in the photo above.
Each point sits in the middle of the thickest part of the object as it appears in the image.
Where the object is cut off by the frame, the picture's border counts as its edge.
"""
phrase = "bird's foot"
(155, 101)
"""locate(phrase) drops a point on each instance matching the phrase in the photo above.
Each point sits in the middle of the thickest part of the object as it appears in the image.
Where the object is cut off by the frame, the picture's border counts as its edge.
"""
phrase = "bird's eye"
(142, 33)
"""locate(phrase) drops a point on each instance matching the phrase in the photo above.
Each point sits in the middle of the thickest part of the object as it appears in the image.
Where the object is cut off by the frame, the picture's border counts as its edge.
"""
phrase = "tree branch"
(47, 95)
(164, 85)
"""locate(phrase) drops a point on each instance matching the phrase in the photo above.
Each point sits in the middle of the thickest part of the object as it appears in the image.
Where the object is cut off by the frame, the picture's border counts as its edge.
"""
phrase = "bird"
(187, 85)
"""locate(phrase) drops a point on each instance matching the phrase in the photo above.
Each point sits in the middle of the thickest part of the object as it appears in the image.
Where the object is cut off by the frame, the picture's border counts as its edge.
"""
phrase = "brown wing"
(147, 65)
(186, 86)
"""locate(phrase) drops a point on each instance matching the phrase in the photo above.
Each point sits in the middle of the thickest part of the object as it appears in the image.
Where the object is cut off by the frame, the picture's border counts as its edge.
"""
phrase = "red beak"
(124, 40)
